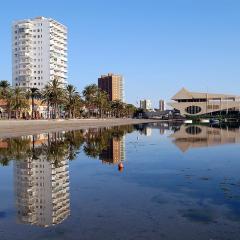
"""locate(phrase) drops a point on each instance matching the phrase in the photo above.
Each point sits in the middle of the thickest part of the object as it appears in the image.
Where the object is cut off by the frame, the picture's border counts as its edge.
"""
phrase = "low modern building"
(196, 103)
(112, 84)
(145, 104)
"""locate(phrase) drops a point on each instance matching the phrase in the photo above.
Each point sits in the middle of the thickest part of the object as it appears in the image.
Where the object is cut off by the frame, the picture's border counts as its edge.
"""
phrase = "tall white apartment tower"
(39, 52)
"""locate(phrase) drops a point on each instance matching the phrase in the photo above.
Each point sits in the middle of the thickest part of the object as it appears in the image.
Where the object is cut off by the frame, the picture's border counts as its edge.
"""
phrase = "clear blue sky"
(158, 46)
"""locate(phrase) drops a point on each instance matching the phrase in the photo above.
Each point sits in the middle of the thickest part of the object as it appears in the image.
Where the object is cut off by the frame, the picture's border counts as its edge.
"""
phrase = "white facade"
(146, 104)
(39, 52)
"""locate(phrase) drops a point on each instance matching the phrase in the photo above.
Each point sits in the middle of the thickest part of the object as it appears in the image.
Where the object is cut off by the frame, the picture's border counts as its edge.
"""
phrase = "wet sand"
(12, 128)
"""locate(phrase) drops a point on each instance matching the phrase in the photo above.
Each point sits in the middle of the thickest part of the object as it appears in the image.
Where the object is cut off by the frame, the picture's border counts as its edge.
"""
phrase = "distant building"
(195, 103)
(161, 105)
(112, 84)
(145, 104)
(166, 114)
(39, 52)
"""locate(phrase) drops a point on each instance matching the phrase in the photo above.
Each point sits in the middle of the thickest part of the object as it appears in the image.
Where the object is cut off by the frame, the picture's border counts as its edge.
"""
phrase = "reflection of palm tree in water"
(97, 143)
(46, 156)
(58, 146)
(14, 149)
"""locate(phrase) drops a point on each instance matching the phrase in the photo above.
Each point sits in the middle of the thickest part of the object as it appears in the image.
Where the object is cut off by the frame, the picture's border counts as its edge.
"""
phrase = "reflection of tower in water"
(42, 191)
(115, 152)
(148, 131)
(162, 131)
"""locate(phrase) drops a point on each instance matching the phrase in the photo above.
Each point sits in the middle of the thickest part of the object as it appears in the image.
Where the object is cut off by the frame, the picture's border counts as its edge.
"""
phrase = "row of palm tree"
(16, 100)
(63, 101)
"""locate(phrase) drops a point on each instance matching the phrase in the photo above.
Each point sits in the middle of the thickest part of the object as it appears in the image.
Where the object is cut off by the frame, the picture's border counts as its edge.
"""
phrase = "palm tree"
(9, 98)
(90, 94)
(20, 101)
(53, 95)
(72, 100)
(4, 90)
(47, 98)
(102, 101)
(130, 109)
(33, 93)
(4, 87)
(117, 107)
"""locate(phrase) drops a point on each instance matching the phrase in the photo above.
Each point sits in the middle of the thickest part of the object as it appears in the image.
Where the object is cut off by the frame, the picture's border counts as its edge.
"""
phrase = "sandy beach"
(12, 128)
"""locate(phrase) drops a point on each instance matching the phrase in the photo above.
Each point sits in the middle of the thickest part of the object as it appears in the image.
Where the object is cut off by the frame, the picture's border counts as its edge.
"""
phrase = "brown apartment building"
(112, 84)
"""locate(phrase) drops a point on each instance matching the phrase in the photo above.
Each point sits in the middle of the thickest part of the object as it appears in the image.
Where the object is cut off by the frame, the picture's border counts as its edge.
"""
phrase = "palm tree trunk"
(32, 107)
(48, 110)
(9, 113)
(55, 110)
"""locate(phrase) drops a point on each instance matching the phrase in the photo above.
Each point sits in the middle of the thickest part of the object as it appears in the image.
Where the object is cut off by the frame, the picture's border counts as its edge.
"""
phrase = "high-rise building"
(145, 104)
(112, 84)
(161, 105)
(39, 52)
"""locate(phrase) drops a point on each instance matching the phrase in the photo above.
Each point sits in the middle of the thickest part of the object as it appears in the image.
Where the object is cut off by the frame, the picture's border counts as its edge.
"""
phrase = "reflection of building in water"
(195, 136)
(115, 151)
(162, 131)
(42, 190)
(196, 103)
(148, 131)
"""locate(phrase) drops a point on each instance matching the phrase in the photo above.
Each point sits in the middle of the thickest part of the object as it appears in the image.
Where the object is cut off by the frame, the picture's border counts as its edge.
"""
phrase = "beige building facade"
(196, 103)
(112, 84)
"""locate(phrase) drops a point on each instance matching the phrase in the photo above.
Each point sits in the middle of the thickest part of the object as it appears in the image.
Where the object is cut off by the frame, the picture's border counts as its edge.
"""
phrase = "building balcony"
(25, 54)
(26, 61)
(25, 43)
(25, 25)
(25, 68)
